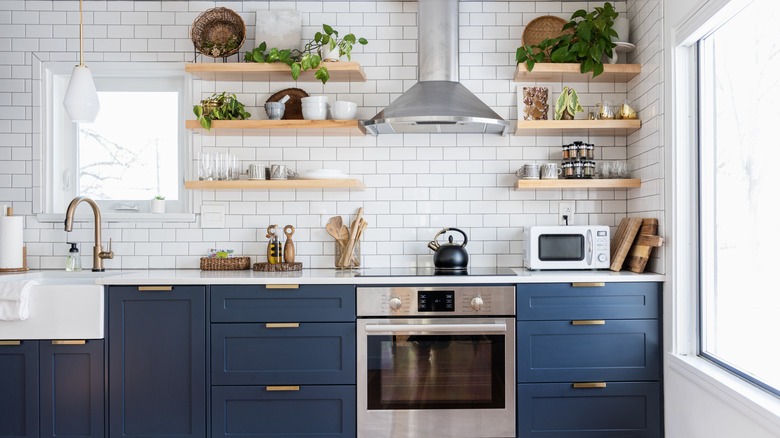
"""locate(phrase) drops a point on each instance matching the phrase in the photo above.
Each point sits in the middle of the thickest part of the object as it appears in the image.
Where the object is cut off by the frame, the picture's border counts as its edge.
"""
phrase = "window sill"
(119, 217)
(759, 405)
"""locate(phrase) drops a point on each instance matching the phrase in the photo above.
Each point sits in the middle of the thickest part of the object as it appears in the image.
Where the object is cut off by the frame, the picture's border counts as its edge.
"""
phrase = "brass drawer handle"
(587, 284)
(69, 342)
(10, 342)
(582, 385)
(589, 322)
(281, 286)
(282, 388)
(155, 288)
(282, 325)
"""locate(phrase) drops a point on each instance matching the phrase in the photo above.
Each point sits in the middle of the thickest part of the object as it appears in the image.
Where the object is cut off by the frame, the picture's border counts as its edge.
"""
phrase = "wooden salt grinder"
(289, 246)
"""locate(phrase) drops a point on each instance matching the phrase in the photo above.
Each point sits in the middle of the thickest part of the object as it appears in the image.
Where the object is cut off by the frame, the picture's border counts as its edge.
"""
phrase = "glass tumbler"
(205, 167)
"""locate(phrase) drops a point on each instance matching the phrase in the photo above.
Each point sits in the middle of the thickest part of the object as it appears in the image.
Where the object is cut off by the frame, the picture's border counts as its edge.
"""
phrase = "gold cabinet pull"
(69, 342)
(583, 385)
(587, 285)
(155, 288)
(281, 286)
(282, 388)
(282, 324)
(589, 322)
(10, 342)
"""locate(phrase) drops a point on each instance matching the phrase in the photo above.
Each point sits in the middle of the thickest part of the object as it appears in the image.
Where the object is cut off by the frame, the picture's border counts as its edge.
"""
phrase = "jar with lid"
(578, 172)
(568, 170)
(582, 151)
(588, 168)
(565, 151)
(590, 149)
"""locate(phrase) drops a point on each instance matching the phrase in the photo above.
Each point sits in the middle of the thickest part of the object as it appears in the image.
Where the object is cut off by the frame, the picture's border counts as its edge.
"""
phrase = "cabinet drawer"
(261, 303)
(558, 410)
(580, 301)
(309, 411)
(311, 353)
(562, 351)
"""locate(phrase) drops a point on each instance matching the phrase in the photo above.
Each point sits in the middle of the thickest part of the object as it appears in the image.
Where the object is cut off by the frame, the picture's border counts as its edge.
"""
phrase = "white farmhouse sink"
(63, 305)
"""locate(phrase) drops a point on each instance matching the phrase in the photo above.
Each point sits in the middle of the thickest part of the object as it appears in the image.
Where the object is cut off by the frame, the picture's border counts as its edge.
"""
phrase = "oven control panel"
(435, 301)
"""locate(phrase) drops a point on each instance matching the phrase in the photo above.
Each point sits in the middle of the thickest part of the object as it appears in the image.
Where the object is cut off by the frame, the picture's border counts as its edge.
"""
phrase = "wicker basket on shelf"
(214, 28)
(226, 264)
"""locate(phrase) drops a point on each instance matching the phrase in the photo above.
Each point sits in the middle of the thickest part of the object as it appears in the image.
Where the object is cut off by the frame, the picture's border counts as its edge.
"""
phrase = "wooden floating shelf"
(565, 72)
(531, 184)
(277, 72)
(276, 184)
(281, 127)
(577, 127)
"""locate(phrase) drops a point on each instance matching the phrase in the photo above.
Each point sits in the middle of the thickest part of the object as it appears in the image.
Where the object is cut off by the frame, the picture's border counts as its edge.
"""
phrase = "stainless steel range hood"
(438, 103)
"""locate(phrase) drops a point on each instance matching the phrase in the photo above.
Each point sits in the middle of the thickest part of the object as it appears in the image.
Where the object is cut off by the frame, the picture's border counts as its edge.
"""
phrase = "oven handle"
(390, 329)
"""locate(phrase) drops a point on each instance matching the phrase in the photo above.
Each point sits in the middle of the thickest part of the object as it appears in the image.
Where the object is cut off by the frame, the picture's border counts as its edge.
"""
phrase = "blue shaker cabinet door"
(618, 410)
(157, 362)
(280, 303)
(588, 301)
(19, 389)
(288, 412)
(72, 390)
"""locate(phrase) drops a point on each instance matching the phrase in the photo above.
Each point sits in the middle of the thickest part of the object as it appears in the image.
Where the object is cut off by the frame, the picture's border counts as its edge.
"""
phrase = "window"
(132, 152)
(739, 93)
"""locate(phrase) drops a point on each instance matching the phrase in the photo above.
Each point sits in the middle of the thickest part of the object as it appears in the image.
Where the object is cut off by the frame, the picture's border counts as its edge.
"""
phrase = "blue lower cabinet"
(552, 301)
(559, 410)
(72, 389)
(19, 389)
(566, 351)
(283, 353)
(157, 361)
(267, 411)
(281, 303)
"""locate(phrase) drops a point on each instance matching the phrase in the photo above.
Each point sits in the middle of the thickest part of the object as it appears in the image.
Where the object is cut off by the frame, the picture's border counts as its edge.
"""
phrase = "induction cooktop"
(430, 272)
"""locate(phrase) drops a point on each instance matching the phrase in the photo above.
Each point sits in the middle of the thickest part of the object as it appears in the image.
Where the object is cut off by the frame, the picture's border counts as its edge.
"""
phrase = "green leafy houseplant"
(568, 105)
(158, 197)
(219, 107)
(310, 57)
(591, 39)
(217, 49)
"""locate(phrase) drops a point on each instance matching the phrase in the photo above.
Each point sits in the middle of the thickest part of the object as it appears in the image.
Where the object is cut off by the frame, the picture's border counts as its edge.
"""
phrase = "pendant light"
(81, 99)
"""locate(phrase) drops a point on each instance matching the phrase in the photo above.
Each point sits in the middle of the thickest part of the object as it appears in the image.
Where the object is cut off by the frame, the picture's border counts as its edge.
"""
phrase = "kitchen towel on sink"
(15, 300)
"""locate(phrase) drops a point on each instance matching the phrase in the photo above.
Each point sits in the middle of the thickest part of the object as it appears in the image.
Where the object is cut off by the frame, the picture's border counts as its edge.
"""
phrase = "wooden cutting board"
(643, 245)
(621, 243)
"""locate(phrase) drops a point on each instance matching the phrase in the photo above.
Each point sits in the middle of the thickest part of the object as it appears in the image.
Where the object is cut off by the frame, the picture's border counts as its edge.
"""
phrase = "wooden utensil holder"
(354, 261)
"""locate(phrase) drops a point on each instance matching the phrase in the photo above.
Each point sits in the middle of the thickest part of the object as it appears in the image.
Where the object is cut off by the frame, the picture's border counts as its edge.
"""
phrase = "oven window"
(561, 247)
(436, 372)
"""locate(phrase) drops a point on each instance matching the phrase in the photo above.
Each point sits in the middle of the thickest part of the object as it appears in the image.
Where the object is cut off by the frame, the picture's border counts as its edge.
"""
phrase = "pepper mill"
(289, 246)
(274, 251)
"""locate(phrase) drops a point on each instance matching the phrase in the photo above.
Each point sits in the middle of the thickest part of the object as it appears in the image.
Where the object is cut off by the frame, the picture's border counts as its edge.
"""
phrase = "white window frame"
(55, 191)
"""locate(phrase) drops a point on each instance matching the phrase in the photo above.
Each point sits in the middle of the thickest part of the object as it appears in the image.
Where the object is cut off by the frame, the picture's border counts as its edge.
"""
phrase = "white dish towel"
(15, 300)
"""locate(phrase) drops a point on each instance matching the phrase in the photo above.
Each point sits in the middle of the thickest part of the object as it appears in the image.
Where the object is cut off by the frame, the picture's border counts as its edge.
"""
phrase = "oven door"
(442, 377)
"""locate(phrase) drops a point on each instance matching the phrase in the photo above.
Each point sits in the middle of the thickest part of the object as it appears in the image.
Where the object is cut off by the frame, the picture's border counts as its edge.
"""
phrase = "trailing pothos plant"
(219, 107)
(310, 57)
(591, 39)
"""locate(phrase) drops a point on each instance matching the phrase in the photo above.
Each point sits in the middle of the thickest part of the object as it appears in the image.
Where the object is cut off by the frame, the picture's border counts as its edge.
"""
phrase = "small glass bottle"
(590, 150)
(73, 262)
(568, 170)
(565, 152)
(577, 169)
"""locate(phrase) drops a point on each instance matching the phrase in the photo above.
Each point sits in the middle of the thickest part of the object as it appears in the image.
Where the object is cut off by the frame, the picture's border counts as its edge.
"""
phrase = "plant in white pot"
(158, 204)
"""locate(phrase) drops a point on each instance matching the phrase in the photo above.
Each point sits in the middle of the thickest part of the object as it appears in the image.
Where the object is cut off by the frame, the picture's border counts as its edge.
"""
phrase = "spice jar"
(582, 151)
(588, 168)
(590, 149)
(577, 165)
(565, 151)
(568, 170)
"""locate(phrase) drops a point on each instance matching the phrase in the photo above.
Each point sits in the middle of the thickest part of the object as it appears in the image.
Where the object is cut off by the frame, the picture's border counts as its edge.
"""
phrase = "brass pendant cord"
(81, 33)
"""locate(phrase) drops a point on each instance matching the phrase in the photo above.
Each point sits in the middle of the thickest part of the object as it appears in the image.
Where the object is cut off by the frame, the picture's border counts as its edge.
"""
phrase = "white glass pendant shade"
(81, 99)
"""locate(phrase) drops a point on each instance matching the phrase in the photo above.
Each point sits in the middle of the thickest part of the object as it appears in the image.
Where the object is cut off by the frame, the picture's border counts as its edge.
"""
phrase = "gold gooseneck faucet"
(97, 252)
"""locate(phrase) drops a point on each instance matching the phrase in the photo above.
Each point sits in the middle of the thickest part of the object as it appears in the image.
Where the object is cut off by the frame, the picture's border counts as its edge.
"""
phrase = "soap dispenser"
(73, 263)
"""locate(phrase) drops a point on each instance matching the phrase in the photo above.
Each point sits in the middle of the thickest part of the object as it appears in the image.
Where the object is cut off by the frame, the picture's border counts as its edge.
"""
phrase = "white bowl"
(343, 110)
(314, 112)
(312, 99)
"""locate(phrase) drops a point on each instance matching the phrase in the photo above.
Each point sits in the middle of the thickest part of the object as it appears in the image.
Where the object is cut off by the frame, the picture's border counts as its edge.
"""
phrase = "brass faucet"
(97, 251)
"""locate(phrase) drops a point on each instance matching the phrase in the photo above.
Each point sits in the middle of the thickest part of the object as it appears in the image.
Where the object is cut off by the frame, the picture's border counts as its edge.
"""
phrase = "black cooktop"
(430, 272)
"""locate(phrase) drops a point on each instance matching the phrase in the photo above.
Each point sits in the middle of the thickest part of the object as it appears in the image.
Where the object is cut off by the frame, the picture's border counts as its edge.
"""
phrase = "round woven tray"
(539, 28)
(216, 25)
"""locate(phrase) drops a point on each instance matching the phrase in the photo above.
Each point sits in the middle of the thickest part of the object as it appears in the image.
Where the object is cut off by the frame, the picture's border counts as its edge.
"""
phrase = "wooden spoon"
(352, 235)
(332, 228)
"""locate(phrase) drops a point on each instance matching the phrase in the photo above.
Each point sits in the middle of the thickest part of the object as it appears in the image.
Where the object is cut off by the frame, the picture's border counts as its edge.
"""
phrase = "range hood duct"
(438, 103)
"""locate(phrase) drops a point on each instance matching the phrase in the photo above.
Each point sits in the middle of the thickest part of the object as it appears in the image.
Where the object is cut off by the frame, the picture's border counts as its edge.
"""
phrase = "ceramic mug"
(550, 171)
(528, 171)
(256, 171)
(280, 171)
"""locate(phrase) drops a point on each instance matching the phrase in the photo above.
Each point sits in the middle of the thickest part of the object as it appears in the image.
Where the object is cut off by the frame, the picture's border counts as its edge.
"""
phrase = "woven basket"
(217, 25)
(547, 26)
(227, 264)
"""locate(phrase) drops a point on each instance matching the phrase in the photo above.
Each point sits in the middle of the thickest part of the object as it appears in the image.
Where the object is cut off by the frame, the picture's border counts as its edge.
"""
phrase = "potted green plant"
(219, 107)
(311, 56)
(568, 105)
(158, 204)
(591, 40)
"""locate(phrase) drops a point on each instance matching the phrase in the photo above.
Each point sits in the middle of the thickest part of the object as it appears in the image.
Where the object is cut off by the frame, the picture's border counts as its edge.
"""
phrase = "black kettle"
(450, 255)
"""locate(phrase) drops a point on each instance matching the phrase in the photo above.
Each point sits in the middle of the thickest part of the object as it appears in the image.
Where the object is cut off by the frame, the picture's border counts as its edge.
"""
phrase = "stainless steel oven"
(436, 362)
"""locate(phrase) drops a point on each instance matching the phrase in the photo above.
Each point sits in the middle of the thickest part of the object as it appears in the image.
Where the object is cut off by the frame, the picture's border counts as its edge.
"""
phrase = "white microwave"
(567, 247)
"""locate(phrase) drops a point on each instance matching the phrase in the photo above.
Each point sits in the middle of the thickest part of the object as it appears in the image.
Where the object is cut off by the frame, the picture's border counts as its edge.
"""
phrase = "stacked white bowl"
(343, 110)
(314, 107)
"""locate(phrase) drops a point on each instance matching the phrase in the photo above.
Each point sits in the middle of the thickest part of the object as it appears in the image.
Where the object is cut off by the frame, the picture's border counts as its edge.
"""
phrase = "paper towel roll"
(11, 242)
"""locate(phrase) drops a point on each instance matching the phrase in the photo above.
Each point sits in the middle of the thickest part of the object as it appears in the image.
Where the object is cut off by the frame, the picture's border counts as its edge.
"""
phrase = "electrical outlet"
(565, 209)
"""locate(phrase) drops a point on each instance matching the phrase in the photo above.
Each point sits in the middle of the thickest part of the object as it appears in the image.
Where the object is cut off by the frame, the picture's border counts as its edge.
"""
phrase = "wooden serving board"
(643, 246)
(621, 243)
(278, 267)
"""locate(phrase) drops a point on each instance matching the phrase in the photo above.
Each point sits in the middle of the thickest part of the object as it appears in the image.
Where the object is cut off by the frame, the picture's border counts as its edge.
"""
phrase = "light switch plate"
(212, 216)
